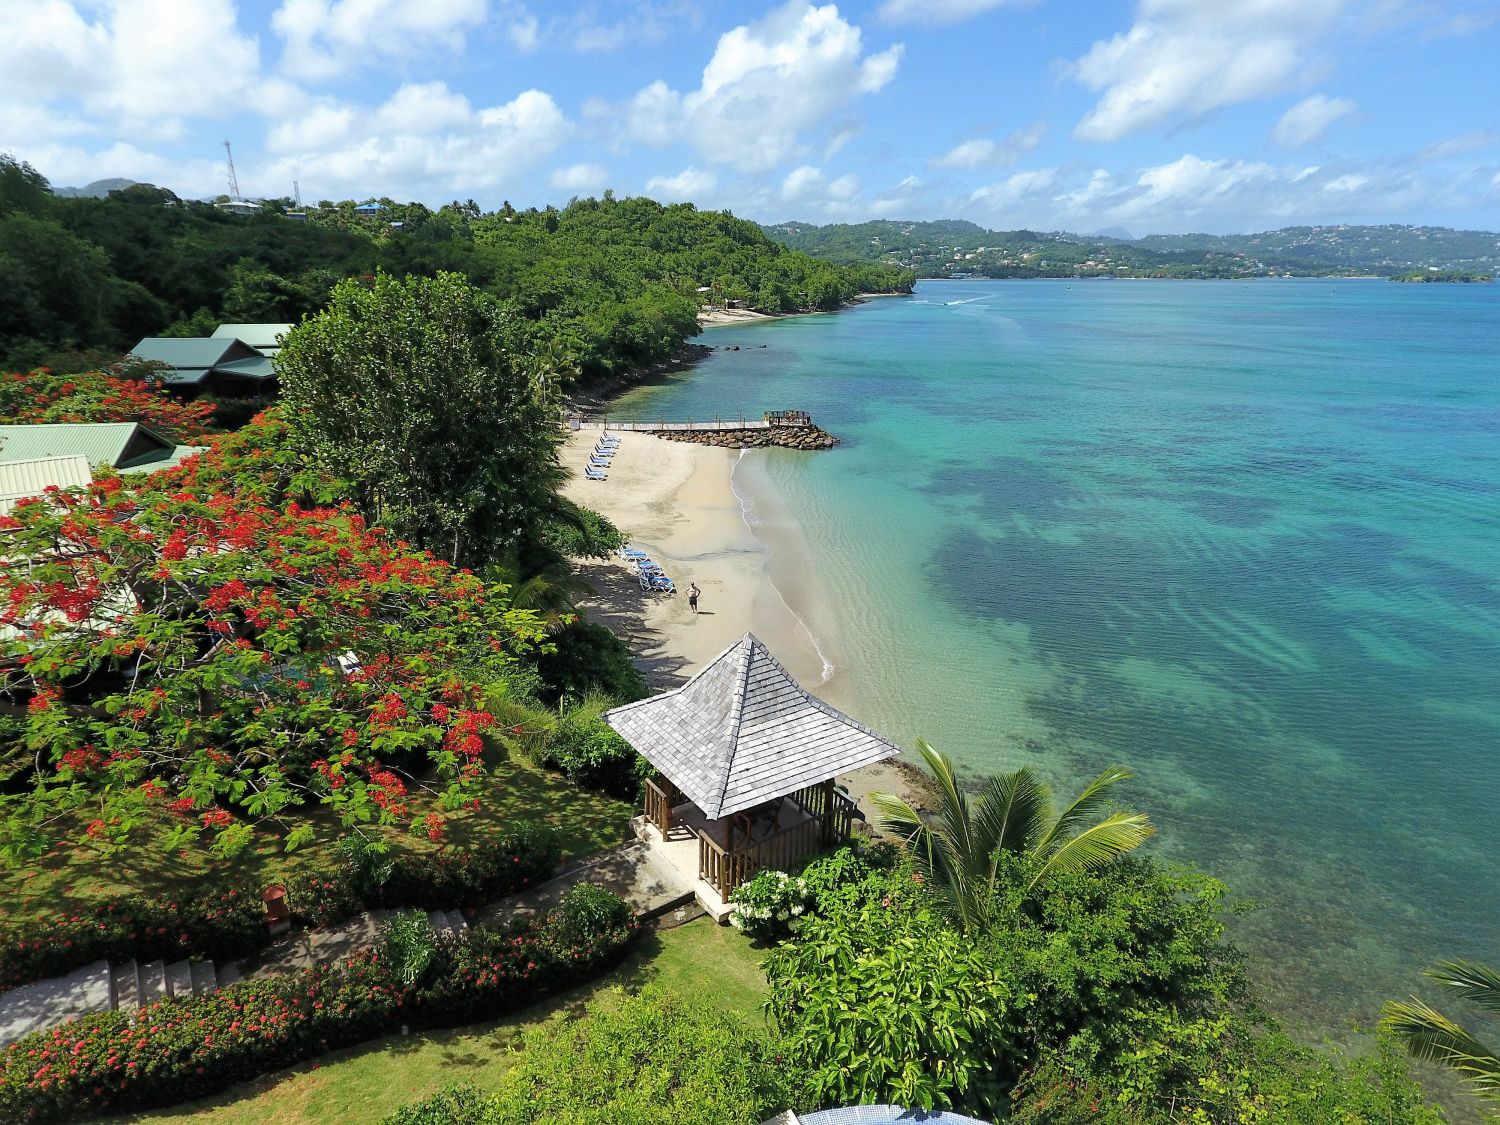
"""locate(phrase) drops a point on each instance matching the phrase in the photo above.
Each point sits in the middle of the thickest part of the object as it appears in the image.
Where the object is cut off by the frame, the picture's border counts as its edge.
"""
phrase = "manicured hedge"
(177, 1049)
(227, 921)
(217, 923)
(440, 880)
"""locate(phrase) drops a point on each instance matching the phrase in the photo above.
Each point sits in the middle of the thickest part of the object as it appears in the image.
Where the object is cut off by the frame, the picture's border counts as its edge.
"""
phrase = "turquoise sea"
(1244, 538)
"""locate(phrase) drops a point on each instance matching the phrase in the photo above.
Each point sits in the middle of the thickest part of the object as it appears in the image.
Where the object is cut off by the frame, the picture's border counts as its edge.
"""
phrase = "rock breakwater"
(788, 437)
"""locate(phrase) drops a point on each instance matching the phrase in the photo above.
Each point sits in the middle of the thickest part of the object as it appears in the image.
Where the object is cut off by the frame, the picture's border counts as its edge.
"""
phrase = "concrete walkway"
(651, 887)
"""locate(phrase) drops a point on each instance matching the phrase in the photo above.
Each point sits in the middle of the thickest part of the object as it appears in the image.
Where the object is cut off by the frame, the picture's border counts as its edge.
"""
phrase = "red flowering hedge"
(227, 922)
(177, 1049)
(213, 923)
(175, 650)
(97, 396)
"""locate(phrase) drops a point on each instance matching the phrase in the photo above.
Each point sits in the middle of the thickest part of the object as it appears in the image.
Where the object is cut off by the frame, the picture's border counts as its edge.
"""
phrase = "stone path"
(651, 887)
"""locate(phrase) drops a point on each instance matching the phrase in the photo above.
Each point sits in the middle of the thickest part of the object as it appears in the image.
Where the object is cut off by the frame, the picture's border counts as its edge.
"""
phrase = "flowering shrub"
(95, 396)
(177, 648)
(216, 923)
(224, 922)
(178, 1049)
(770, 906)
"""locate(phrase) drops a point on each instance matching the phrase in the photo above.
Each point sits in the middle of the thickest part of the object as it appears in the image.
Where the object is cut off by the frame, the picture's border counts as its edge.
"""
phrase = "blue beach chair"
(594, 474)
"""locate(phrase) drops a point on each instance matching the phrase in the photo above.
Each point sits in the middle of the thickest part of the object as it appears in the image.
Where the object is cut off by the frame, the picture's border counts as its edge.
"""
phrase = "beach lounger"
(657, 583)
(595, 474)
(633, 553)
(599, 462)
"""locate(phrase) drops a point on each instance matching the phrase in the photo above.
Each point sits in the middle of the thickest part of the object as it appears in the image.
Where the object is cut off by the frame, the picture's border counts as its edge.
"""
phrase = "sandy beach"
(716, 317)
(677, 501)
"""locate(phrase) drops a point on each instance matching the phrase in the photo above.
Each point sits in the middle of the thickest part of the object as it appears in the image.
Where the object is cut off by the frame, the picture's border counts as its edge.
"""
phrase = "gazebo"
(747, 759)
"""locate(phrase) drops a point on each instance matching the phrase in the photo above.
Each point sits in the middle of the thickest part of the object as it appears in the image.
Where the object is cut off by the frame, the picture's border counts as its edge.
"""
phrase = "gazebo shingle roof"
(742, 732)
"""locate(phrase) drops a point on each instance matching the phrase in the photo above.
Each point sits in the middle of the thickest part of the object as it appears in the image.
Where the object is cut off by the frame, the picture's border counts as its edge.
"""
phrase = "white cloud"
(1184, 58)
(643, 21)
(938, 11)
(521, 27)
(690, 183)
(1309, 119)
(808, 182)
(135, 66)
(1458, 146)
(1195, 193)
(580, 179)
(985, 151)
(326, 37)
(424, 142)
(766, 85)
(999, 198)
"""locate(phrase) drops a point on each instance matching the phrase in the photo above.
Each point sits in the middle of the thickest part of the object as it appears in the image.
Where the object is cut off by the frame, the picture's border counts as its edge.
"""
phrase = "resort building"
(229, 368)
(747, 761)
(32, 476)
(127, 447)
(265, 338)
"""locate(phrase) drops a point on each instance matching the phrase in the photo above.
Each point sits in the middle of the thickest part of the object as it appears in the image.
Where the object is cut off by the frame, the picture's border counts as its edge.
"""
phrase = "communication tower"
(234, 183)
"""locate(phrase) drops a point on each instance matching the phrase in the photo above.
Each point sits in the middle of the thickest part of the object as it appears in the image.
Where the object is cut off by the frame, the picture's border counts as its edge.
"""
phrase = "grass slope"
(714, 965)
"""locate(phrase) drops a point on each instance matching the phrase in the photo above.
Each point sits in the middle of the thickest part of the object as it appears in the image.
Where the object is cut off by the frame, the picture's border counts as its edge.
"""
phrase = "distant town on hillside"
(956, 248)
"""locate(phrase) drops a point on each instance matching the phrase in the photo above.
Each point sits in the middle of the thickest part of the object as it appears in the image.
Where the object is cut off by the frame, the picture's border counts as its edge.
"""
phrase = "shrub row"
(219, 923)
(177, 1049)
(440, 880)
(227, 921)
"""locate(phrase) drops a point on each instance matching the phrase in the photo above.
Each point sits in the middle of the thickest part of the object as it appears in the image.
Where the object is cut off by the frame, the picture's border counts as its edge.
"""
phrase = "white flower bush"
(770, 906)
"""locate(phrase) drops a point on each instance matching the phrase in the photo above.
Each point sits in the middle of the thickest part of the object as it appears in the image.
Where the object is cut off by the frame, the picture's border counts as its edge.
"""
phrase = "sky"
(1147, 116)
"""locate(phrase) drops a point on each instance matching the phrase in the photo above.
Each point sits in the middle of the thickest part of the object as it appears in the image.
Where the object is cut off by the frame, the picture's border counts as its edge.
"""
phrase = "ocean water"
(1244, 538)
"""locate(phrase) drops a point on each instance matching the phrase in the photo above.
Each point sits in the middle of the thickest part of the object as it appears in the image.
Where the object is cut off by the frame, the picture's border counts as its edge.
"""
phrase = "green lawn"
(714, 965)
(69, 877)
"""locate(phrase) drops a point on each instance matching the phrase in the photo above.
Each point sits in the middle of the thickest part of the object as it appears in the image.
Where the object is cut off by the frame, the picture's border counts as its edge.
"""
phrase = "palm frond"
(1085, 805)
(1011, 812)
(1428, 1034)
(953, 810)
(1469, 981)
(1096, 845)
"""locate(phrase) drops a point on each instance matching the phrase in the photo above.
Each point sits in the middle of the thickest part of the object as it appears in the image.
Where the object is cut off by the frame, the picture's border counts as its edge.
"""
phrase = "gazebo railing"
(659, 805)
(725, 870)
(830, 808)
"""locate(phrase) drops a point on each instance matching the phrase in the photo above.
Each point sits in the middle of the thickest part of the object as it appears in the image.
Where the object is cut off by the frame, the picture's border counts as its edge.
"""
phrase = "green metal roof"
(262, 337)
(191, 351)
(257, 368)
(121, 445)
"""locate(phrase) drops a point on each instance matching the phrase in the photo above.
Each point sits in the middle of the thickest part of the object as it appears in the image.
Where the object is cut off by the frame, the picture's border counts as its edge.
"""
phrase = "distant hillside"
(99, 189)
(949, 248)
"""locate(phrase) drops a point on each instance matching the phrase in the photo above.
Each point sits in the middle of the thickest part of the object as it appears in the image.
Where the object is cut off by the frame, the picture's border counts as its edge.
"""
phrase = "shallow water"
(1244, 538)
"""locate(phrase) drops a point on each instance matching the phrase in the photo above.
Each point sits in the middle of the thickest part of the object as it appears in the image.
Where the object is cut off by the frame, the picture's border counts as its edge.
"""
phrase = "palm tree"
(1428, 1034)
(960, 853)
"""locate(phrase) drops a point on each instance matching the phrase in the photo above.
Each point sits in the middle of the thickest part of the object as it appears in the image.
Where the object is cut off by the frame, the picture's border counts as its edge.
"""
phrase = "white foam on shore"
(752, 520)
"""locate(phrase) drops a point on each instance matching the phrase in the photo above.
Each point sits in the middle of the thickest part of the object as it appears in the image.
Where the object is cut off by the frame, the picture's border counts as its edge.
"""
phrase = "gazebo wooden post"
(828, 834)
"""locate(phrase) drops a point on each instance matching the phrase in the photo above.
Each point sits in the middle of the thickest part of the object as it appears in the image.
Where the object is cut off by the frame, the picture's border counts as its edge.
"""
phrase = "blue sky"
(1147, 115)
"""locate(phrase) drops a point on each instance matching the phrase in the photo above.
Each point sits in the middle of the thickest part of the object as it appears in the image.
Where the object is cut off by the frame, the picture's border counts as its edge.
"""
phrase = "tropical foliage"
(961, 852)
(187, 1047)
(608, 284)
(1104, 994)
(221, 645)
(94, 396)
(1430, 1035)
(426, 397)
(627, 1060)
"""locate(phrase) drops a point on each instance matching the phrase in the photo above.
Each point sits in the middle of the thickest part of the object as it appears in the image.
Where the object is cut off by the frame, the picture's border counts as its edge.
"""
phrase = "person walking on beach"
(693, 593)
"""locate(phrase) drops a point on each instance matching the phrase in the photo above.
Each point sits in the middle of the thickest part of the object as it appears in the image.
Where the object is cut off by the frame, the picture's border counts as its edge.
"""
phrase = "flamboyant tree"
(96, 396)
(223, 644)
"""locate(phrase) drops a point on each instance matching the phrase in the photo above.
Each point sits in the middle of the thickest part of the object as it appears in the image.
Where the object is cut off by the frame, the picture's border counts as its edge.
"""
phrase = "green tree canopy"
(420, 392)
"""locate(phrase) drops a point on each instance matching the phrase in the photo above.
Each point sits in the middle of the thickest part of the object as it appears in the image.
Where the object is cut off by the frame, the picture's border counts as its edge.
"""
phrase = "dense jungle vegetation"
(611, 283)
